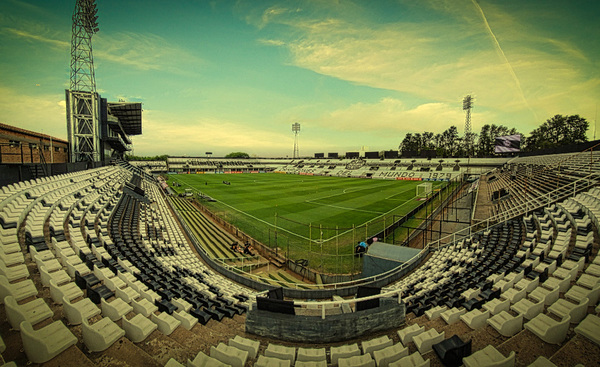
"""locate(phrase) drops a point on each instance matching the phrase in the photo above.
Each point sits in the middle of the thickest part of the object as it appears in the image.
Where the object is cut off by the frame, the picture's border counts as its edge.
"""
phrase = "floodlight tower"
(467, 105)
(296, 130)
(82, 100)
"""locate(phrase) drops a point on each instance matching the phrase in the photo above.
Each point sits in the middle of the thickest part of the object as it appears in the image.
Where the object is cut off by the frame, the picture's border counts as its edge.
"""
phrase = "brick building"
(24, 146)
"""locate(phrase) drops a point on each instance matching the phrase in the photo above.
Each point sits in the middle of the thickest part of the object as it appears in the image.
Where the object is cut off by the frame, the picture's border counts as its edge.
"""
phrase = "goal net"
(423, 189)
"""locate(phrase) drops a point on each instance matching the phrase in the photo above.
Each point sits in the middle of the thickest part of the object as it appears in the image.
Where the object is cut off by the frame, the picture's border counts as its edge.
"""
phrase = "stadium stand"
(97, 256)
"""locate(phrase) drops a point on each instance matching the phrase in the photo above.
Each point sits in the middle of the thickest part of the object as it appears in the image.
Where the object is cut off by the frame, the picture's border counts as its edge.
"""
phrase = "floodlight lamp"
(295, 127)
(467, 102)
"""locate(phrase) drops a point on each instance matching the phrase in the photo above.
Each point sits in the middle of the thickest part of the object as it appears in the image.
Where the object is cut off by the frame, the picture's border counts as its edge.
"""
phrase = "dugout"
(381, 257)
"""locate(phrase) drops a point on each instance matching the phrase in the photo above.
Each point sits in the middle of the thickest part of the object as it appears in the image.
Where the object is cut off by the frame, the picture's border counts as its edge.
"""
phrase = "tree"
(557, 131)
(237, 155)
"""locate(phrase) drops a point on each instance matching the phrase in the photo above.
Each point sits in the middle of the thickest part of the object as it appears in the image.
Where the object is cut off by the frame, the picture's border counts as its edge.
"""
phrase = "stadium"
(359, 258)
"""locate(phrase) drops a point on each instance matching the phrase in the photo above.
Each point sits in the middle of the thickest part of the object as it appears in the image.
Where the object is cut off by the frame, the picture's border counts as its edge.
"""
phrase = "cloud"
(42, 113)
(391, 116)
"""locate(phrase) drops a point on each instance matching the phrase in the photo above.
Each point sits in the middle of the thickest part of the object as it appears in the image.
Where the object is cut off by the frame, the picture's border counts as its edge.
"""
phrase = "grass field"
(315, 217)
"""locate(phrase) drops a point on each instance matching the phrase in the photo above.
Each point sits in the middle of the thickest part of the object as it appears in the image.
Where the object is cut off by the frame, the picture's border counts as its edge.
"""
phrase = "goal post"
(424, 189)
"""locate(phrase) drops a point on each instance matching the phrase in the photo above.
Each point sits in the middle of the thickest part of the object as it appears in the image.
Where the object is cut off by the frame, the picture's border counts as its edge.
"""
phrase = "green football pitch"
(313, 217)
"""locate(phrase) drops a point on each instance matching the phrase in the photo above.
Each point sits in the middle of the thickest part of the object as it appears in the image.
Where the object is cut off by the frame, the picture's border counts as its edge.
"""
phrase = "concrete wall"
(334, 328)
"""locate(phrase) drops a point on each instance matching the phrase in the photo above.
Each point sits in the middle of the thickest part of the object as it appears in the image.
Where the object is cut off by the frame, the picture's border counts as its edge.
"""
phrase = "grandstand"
(101, 260)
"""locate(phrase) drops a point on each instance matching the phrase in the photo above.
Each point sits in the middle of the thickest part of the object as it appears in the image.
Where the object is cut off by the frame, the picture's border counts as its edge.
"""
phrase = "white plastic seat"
(590, 328)
(425, 341)
(528, 285)
(79, 311)
(69, 290)
(475, 319)
(20, 290)
(46, 343)
(435, 312)
(369, 346)
(13, 273)
(100, 335)
(562, 308)
(497, 305)
(229, 355)
(412, 360)
(59, 276)
(514, 295)
(281, 352)
(385, 356)
(549, 330)
(114, 283)
(32, 312)
(542, 361)
(562, 284)
(364, 360)
(577, 293)
(587, 281)
(506, 324)
(187, 321)
(541, 293)
(12, 259)
(453, 315)
(138, 328)
(116, 309)
(181, 304)
(489, 357)
(264, 361)
(311, 355)
(249, 345)
(202, 360)
(406, 335)
(343, 351)
(51, 264)
(72, 268)
(166, 323)
(144, 307)
(127, 294)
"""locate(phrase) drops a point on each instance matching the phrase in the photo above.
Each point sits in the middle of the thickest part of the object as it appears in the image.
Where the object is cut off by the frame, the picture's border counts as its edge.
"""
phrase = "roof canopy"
(129, 115)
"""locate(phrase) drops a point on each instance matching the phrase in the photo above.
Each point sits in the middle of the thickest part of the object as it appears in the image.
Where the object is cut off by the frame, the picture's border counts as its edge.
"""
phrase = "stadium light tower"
(296, 130)
(467, 105)
(82, 100)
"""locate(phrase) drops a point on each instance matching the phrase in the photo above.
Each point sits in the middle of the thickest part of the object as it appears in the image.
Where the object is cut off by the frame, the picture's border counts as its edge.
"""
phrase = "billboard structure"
(508, 144)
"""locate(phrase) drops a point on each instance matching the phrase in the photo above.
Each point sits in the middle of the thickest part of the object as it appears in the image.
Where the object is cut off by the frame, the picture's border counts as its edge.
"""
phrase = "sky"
(225, 76)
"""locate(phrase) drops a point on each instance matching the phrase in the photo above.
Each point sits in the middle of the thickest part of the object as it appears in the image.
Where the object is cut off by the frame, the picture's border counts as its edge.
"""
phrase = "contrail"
(501, 53)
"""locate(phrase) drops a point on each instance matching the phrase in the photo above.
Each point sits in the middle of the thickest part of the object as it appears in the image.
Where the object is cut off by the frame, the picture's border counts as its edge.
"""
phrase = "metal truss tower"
(467, 105)
(296, 130)
(82, 100)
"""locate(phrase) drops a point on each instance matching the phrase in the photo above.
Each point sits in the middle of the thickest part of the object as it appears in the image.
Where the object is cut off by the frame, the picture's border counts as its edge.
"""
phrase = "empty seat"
(59, 276)
(343, 351)
(138, 328)
(46, 343)
(506, 324)
(435, 312)
(310, 364)
(541, 293)
(281, 352)
(590, 328)
(406, 335)
(13, 273)
(528, 309)
(562, 284)
(562, 308)
(364, 360)
(425, 341)
(475, 319)
(70, 291)
(229, 355)
(144, 307)
(542, 361)
(451, 351)
(385, 356)
(548, 329)
(166, 323)
(127, 294)
(116, 309)
(187, 321)
(489, 357)
(100, 335)
(514, 295)
(497, 305)
(202, 360)
(32, 312)
(453, 315)
(264, 361)
(79, 311)
(369, 346)
(18, 291)
(249, 345)
(577, 293)
(412, 360)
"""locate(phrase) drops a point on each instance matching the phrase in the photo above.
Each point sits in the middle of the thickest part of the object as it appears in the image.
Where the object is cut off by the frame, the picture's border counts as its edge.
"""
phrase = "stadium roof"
(129, 115)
